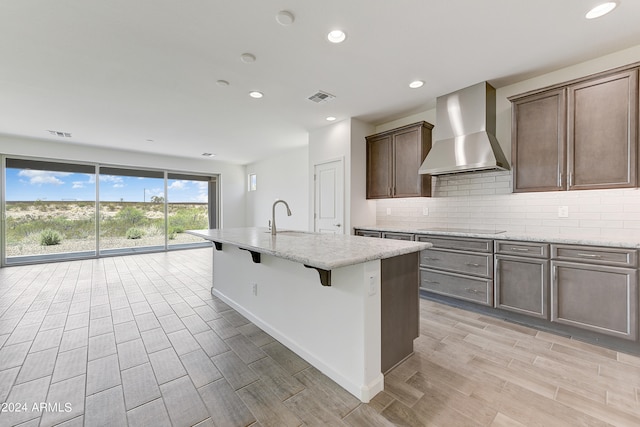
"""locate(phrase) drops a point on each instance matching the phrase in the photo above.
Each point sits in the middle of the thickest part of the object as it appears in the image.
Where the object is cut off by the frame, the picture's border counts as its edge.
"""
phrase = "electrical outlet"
(563, 211)
(388, 211)
(254, 289)
(425, 211)
(372, 285)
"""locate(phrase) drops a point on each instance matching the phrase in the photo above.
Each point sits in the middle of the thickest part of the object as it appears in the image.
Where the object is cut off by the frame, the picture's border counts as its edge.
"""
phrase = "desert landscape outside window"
(50, 210)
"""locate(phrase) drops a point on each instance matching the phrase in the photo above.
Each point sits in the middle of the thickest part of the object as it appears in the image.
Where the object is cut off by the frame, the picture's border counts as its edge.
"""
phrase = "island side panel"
(336, 328)
(400, 284)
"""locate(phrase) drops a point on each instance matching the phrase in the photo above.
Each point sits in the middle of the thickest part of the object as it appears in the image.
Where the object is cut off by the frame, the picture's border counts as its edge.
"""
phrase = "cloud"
(178, 185)
(78, 184)
(110, 178)
(37, 177)
(118, 185)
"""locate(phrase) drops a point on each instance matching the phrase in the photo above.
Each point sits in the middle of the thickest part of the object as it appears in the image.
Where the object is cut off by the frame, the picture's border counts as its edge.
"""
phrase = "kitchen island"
(348, 305)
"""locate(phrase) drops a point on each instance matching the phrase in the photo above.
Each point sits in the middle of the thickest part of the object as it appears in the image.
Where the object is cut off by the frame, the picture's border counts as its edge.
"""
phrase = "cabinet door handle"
(431, 281)
(471, 264)
(519, 249)
(588, 255)
(473, 291)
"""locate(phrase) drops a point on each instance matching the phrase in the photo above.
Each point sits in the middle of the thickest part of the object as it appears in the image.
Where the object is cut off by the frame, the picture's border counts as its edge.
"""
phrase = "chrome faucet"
(273, 214)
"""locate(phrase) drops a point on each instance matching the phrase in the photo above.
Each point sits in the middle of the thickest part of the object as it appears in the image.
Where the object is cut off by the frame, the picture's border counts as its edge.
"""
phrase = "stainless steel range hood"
(464, 133)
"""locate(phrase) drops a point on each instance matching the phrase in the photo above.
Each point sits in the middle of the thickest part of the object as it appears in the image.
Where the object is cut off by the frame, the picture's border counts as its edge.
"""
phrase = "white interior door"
(329, 197)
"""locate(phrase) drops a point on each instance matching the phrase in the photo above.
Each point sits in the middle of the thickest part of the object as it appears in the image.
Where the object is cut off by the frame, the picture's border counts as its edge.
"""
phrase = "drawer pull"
(433, 282)
(519, 249)
(472, 264)
(473, 291)
(430, 259)
(588, 255)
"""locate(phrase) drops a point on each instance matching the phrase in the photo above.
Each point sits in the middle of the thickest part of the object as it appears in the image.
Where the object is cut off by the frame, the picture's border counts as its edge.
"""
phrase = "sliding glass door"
(132, 210)
(58, 210)
(188, 208)
(50, 210)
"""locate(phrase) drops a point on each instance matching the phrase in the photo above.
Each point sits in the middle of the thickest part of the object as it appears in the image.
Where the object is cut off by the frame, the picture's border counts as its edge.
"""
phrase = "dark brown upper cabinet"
(577, 136)
(393, 160)
(602, 128)
(539, 135)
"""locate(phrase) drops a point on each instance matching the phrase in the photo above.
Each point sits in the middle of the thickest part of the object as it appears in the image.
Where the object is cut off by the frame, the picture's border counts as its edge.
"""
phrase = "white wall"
(484, 200)
(344, 140)
(362, 210)
(328, 143)
(232, 180)
(284, 175)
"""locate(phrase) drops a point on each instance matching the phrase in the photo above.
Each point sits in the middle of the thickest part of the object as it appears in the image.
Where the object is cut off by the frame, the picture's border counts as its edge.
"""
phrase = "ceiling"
(141, 75)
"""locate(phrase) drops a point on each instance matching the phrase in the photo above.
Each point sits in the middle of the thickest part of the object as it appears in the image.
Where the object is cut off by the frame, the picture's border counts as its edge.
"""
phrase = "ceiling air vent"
(60, 134)
(321, 97)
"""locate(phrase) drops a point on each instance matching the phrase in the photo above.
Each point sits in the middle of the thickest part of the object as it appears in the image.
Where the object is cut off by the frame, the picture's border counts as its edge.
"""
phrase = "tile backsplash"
(485, 201)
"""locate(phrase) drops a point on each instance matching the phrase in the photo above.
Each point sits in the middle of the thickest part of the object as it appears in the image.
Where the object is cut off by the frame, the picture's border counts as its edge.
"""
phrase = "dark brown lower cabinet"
(522, 277)
(522, 285)
(400, 308)
(599, 298)
(368, 233)
(397, 236)
(461, 268)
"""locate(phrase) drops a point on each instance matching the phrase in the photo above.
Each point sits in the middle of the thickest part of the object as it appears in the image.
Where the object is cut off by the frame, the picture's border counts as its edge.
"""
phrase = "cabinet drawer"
(368, 233)
(474, 245)
(464, 287)
(458, 262)
(595, 297)
(524, 249)
(398, 236)
(596, 255)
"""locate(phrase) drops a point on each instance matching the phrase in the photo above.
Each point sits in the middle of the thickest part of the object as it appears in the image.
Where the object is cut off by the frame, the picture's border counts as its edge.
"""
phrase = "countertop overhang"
(322, 251)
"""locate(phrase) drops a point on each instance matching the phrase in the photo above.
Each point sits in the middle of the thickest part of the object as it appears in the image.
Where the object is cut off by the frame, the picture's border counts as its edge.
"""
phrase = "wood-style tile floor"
(139, 341)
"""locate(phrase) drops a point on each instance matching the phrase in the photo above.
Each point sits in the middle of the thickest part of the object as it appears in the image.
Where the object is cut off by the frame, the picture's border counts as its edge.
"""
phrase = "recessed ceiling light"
(149, 140)
(601, 9)
(256, 94)
(208, 154)
(284, 17)
(248, 58)
(330, 118)
(416, 84)
(222, 83)
(336, 36)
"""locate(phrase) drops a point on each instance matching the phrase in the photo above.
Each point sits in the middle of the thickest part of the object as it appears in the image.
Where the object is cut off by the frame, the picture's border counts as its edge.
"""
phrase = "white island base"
(353, 315)
(336, 328)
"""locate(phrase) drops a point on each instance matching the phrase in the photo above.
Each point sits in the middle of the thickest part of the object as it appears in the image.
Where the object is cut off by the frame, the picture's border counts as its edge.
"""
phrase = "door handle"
(338, 225)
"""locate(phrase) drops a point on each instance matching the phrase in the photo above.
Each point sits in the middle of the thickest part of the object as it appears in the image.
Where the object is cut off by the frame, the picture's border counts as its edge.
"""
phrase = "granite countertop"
(324, 251)
(631, 241)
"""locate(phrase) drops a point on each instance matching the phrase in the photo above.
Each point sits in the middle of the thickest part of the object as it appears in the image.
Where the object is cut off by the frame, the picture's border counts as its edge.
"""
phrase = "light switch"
(388, 211)
(425, 211)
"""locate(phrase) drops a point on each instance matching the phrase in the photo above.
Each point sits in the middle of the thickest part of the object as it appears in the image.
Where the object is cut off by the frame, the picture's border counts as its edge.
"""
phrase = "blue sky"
(30, 185)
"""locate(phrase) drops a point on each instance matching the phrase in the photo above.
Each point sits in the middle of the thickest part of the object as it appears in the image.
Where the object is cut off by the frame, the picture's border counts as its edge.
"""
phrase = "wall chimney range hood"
(464, 133)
